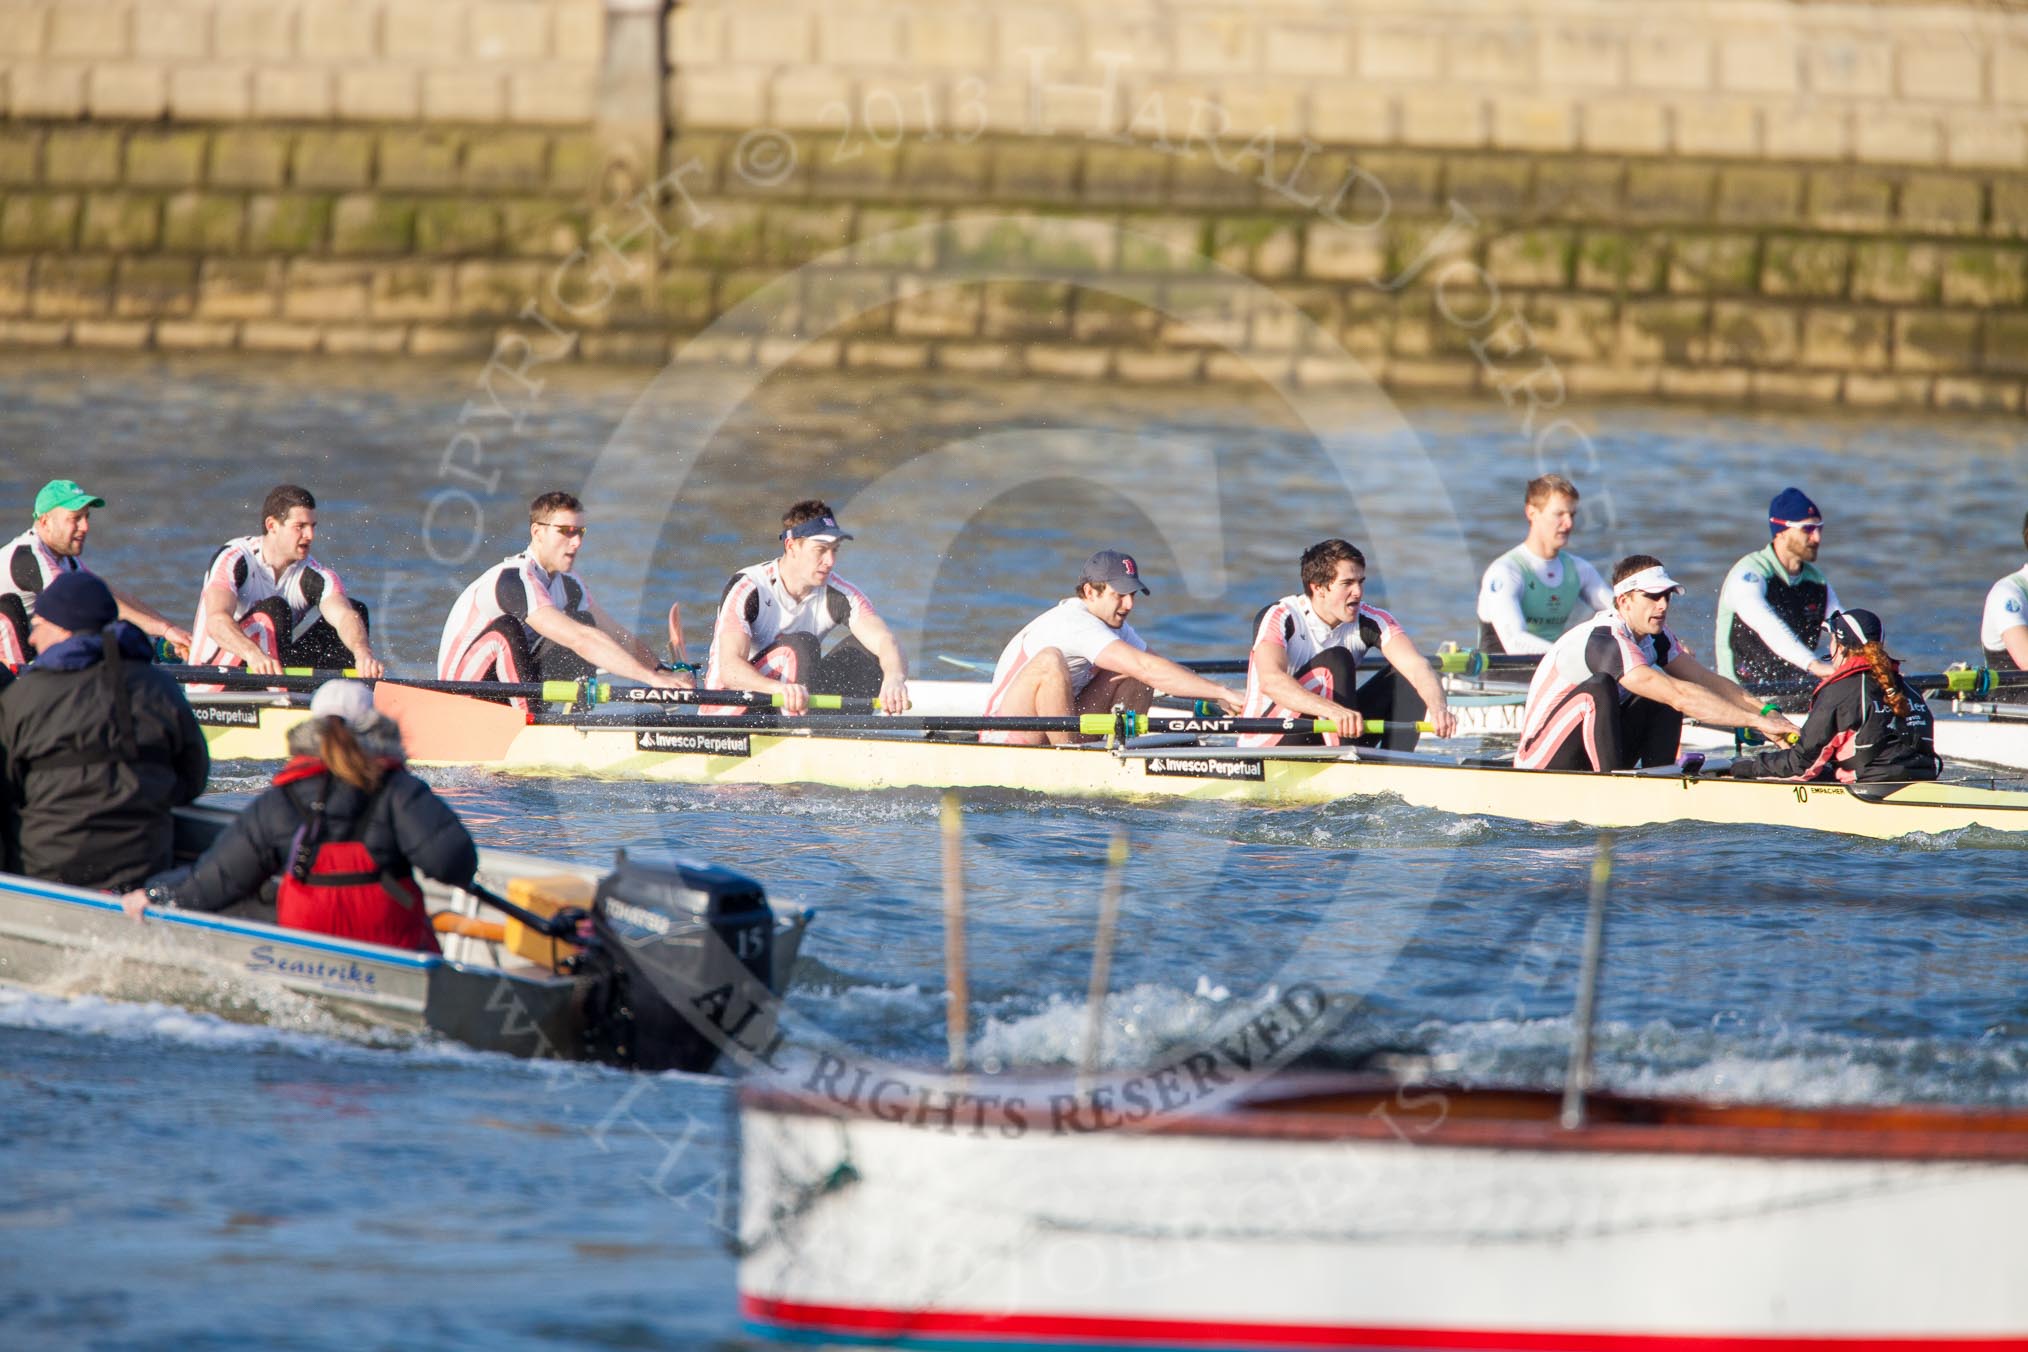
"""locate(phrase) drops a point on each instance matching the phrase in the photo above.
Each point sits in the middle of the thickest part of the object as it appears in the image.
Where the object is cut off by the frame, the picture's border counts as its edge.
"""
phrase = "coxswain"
(773, 618)
(98, 746)
(2003, 632)
(34, 558)
(344, 826)
(1612, 693)
(1866, 724)
(1536, 590)
(1305, 656)
(268, 604)
(1082, 657)
(1772, 608)
(530, 617)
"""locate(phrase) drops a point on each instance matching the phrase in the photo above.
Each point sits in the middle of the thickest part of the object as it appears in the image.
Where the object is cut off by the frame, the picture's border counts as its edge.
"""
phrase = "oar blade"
(436, 726)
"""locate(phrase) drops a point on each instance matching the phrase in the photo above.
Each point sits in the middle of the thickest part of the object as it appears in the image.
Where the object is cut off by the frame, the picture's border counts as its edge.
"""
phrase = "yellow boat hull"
(676, 755)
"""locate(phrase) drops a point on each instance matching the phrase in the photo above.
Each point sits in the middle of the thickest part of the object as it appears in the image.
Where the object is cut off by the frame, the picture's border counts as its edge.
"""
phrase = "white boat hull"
(1116, 1239)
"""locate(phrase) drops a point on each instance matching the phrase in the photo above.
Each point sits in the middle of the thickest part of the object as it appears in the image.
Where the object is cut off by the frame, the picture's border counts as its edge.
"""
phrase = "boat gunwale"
(1930, 1133)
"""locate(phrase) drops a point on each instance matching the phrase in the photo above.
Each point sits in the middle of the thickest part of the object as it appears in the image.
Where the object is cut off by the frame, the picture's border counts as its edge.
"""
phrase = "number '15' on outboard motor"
(690, 952)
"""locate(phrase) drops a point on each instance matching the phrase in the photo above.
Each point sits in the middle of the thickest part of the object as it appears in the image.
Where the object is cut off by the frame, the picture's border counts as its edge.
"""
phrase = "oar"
(1453, 662)
(1450, 663)
(548, 692)
(1963, 681)
(1088, 725)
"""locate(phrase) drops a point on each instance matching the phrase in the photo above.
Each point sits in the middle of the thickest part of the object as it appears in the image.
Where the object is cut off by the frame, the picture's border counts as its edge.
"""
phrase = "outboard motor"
(689, 950)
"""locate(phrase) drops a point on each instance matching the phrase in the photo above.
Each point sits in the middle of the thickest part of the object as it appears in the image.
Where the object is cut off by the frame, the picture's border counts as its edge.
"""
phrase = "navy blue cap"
(1791, 507)
(1856, 628)
(79, 602)
(1116, 570)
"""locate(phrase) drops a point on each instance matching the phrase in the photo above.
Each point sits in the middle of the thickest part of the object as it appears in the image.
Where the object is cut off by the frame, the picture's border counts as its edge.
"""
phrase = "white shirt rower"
(268, 604)
(1081, 656)
(1612, 693)
(44, 552)
(773, 618)
(531, 618)
(1306, 653)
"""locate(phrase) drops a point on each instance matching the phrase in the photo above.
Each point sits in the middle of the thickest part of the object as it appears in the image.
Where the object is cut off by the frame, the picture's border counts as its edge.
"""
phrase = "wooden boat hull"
(1385, 1224)
(672, 754)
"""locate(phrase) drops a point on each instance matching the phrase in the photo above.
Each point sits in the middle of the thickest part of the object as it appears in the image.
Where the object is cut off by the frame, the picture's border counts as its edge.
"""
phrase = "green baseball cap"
(63, 493)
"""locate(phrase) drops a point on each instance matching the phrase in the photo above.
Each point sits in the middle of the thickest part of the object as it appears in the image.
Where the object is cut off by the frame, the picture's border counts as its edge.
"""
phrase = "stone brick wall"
(1876, 83)
(333, 238)
(476, 61)
(1540, 199)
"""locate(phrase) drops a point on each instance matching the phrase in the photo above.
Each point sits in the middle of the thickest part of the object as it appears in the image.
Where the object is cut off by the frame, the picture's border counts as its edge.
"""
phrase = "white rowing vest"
(239, 568)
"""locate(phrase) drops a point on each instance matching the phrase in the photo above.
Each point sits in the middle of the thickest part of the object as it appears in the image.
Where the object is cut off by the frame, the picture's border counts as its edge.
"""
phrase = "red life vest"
(337, 887)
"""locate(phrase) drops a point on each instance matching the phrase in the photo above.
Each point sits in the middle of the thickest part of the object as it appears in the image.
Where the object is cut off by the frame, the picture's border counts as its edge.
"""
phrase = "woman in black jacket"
(1866, 724)
(345, 825)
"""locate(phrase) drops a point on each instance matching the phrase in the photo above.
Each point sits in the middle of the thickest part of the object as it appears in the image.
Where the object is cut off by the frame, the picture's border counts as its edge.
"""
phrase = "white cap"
(349, 700)
(1654, 581)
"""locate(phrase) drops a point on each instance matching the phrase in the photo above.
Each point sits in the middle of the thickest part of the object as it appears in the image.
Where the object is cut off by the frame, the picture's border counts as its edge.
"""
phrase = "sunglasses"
(1806, 527)
(567, 532)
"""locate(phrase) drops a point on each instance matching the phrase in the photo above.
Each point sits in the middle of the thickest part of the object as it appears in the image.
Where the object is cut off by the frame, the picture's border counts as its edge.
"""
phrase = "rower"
(1534, 591)
(1082, 657)
(34, 558)
(530, 618)
(1306, 651)
(2004, 631)
(1866, 724)
(1612, 693)
(1772, 608)
(268, 604)
(773, 618)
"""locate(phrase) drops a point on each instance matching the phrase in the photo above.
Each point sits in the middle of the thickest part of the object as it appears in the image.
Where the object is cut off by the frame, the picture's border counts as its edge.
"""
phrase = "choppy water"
(180, 1180)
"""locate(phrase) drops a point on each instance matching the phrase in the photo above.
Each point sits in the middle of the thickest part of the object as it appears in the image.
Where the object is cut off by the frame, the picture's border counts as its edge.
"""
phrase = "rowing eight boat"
(1165, 767)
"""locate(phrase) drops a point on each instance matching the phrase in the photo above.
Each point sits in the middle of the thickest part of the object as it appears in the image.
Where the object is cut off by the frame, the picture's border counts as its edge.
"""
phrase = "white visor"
(1654, 581)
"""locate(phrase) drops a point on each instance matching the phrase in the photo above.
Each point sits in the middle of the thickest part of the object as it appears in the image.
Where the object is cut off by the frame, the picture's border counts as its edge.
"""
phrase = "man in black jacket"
(96, 746)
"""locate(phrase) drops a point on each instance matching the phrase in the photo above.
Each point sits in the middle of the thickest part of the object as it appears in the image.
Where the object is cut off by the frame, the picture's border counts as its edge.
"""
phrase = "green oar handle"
(607, 693)
(1101, 725)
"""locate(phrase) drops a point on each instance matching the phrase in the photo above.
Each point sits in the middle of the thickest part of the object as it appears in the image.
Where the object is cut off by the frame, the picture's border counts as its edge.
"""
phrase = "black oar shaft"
(555, 692)
(1467, 663)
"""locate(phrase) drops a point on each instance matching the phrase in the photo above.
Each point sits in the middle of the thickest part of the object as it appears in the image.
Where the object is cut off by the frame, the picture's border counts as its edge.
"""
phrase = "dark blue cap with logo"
(1116, 570)
(1791, 507)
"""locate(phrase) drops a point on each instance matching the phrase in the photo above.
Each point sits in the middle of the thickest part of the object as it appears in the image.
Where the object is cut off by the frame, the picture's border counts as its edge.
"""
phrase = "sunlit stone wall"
(1542, 199)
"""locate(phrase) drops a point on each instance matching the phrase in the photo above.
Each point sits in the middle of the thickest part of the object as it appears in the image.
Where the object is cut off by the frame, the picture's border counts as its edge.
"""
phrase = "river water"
(180, 1179)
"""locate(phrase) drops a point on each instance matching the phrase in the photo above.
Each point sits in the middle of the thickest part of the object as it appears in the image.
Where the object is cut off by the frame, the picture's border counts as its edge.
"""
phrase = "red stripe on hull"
(903, 1327)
